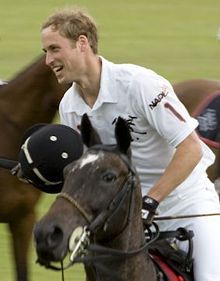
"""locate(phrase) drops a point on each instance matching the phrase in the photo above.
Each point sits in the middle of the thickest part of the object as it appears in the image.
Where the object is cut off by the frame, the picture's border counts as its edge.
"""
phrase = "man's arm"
(188, 154)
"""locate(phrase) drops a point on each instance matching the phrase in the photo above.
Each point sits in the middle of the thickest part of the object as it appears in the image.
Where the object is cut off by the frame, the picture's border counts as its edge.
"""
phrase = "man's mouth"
(57, 69)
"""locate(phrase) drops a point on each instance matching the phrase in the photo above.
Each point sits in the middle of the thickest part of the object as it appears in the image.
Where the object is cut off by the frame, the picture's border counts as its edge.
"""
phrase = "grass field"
(175, 38)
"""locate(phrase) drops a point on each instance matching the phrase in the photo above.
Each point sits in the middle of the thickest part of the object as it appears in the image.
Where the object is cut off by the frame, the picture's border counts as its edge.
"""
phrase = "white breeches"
(201, 199)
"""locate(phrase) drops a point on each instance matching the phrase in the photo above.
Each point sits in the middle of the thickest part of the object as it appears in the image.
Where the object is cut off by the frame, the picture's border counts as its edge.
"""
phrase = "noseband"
(71, 200)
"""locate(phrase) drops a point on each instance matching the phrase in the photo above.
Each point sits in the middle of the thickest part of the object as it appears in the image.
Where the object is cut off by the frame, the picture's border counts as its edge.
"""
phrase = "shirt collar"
(107, 92)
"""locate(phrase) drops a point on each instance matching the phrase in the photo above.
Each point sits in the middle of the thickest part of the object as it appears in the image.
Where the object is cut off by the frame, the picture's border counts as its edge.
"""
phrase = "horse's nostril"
(49, 240)
(54, 237)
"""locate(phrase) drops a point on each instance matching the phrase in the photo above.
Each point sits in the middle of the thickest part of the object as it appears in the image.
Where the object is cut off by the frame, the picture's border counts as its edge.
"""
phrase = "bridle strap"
(103, 219)
(106, 253)
(76, 205)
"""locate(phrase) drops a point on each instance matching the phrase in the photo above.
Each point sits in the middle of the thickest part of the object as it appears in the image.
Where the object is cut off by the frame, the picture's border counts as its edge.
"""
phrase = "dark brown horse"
(31, 97)
(196, 95)
(102, 193)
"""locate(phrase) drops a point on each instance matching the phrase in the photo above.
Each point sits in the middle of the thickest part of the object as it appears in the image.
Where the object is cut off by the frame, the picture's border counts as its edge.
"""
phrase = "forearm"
(186, 157)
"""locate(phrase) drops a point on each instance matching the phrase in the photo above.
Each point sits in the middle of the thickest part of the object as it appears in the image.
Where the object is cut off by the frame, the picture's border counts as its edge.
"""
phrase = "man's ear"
(82, 42)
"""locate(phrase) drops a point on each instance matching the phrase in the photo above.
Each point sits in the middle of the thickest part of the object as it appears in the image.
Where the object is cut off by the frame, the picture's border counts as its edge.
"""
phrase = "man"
(169, 157)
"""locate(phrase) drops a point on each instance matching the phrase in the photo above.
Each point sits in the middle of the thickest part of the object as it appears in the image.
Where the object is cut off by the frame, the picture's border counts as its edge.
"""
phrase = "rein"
(160, 218)
(106, 254)
(109, 253)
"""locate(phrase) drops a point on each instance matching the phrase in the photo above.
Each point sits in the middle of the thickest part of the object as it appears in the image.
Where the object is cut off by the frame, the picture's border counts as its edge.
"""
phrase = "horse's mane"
(30, 70)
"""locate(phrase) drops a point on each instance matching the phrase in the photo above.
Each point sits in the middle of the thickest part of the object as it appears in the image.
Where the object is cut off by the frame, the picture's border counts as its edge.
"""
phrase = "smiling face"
(63, 56)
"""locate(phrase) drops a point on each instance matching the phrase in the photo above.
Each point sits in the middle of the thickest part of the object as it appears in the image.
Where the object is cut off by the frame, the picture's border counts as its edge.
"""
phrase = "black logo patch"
(131, 124)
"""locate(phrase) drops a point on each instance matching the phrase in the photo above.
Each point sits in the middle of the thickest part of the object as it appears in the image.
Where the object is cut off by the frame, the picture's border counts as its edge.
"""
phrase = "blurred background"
(178, 39)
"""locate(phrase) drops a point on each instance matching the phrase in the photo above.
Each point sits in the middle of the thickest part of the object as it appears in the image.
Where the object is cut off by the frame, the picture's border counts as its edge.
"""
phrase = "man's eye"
(55, 49)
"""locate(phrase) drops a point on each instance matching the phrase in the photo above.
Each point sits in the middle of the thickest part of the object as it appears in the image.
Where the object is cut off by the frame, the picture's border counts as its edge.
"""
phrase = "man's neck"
(89, 86)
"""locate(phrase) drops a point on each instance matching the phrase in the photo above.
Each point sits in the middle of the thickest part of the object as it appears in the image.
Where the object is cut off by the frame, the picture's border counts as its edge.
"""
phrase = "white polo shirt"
(158, 121)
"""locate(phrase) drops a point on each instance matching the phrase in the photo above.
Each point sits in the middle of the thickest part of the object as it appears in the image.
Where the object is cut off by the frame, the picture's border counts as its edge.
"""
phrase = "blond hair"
(73, 22)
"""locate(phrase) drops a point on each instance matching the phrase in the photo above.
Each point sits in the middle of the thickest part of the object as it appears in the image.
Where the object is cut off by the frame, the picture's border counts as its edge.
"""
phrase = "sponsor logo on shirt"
(158, 98)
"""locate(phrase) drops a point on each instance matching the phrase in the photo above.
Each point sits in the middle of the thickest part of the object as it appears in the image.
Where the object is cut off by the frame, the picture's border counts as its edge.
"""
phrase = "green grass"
(37, 273)
(175, 38)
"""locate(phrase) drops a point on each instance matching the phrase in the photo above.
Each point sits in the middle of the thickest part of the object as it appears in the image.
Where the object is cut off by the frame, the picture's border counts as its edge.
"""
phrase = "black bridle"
(127, 188)
(102, 221)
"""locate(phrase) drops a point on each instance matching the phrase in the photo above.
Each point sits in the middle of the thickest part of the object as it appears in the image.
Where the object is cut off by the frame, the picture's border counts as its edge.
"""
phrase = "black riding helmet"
(46, 149)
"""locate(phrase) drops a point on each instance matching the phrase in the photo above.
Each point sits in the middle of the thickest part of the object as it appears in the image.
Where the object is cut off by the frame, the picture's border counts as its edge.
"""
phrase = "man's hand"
(149, 206)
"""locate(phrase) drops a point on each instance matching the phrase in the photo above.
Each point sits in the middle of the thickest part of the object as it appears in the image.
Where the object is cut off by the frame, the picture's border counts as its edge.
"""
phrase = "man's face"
(62, 55)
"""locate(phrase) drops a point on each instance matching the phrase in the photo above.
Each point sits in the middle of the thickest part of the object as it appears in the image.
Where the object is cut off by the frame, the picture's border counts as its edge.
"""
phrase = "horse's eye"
(109, 177)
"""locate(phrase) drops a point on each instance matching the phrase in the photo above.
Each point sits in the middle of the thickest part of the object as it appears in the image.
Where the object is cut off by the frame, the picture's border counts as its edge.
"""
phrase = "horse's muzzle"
(50, 243)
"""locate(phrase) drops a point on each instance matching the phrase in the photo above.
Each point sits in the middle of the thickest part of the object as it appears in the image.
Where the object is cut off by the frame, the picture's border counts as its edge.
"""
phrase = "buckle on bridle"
(78, 242)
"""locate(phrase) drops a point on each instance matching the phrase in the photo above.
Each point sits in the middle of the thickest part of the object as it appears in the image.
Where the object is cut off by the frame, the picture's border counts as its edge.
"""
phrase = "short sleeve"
(157, 101)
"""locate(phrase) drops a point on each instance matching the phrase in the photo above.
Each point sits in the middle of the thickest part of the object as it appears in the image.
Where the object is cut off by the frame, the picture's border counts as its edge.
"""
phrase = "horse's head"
(96, 195)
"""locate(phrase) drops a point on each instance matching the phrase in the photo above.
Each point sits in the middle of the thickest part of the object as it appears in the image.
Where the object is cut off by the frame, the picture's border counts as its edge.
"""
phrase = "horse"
(31, 97)
(97, 215)
(201, 98)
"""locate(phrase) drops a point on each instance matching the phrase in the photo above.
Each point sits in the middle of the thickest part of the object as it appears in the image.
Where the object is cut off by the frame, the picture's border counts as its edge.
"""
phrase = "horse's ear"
(89, 135)
(122, 135)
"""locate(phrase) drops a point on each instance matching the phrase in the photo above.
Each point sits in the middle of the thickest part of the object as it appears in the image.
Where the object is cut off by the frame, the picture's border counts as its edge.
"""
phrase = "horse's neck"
(136, 268)
(28, 98)
(139, 267)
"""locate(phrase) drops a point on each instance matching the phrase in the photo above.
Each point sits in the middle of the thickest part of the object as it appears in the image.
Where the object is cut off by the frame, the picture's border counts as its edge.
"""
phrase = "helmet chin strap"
(41, 177)
(26, 152)
(34, 169)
